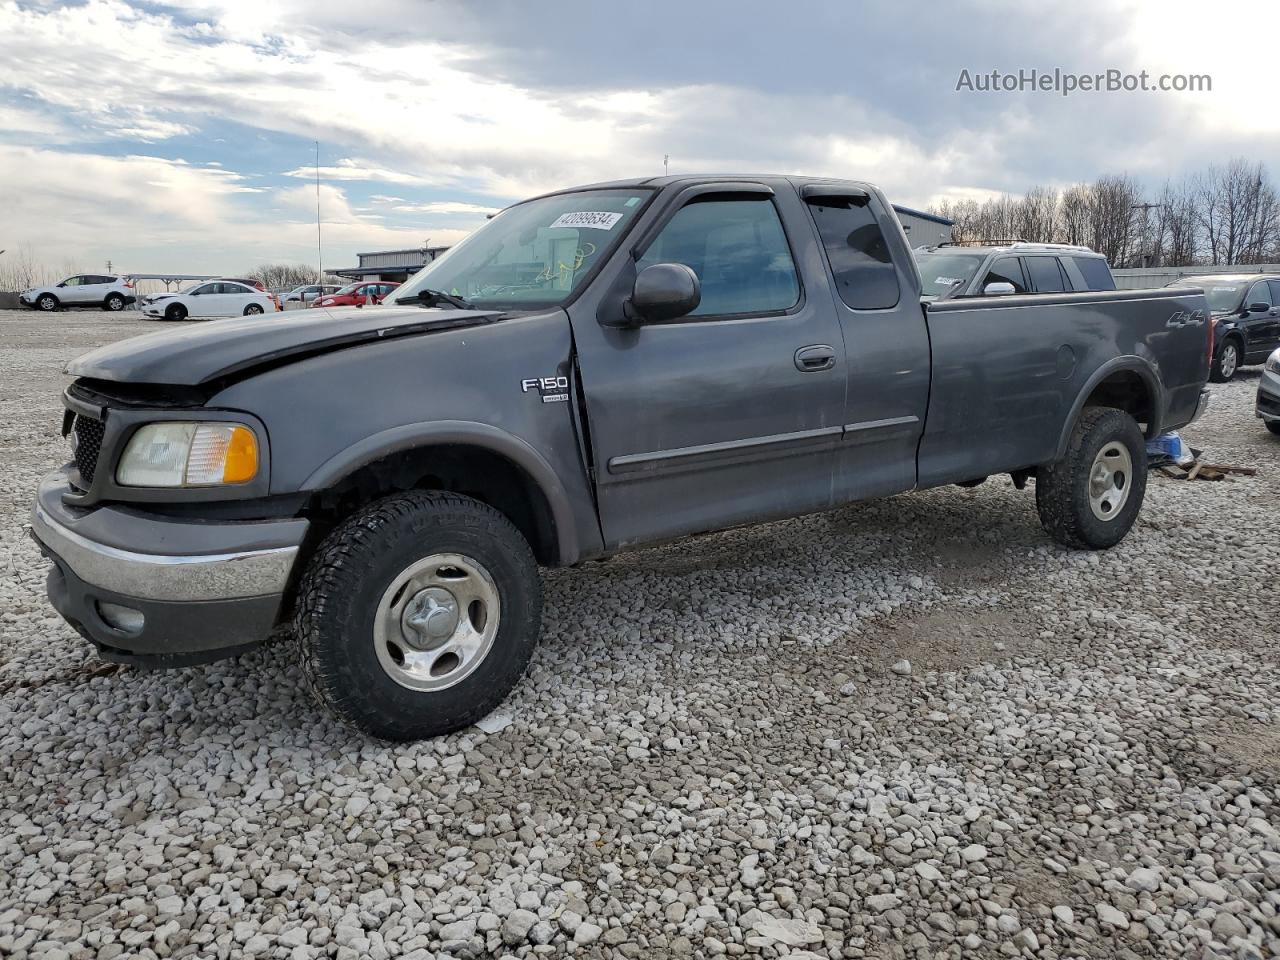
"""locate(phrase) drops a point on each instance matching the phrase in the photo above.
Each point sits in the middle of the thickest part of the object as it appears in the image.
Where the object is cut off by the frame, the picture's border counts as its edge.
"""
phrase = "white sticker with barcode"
(587, 219)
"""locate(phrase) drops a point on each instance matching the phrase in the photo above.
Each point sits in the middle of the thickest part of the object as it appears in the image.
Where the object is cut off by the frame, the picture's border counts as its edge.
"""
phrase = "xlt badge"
(551, 389)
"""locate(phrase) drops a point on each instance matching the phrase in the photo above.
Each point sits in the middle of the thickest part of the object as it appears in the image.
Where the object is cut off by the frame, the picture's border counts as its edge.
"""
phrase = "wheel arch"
(1128, 383)
(474, 459)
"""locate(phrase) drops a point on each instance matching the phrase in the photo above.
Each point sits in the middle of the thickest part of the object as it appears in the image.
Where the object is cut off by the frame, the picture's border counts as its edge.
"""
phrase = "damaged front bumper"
(162, 592)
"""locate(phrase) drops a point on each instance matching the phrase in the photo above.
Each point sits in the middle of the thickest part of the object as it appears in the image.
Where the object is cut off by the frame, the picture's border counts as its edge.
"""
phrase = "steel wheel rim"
(436, 622)
(1229, 361)
(1110, 480)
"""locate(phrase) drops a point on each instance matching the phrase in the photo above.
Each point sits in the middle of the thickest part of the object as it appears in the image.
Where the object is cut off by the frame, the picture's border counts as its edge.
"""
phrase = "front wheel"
(1091, 497)
(175, 312)
(1273, 426)
(1226, 362)
(47, 302)
(418, 615)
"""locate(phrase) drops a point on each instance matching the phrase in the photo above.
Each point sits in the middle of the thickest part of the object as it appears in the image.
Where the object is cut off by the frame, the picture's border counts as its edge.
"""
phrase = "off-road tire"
(1216, 372)
(1273, 426)
(175, 312)
(1062, 488)
(344, 582)
(114, 302)
(47, 302)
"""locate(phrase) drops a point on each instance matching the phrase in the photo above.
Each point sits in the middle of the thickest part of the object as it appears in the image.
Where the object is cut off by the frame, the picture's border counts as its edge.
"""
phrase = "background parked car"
(309, 291)
(1020, 267)
(212, 298)
(1268, 407)
(1246, 311)
(247, 281)
(357, 294)
(103, 291)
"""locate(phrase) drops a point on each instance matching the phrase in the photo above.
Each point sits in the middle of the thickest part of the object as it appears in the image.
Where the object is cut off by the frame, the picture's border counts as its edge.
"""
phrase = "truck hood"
(216, 350)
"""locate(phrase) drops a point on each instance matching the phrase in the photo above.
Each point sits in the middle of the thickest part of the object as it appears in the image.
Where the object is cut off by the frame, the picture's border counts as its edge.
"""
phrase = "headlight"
(189, 455)
(1273, 362)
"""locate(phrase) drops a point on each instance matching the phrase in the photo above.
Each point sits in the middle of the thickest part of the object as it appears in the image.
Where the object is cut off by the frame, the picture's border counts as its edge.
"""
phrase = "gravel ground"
(721, 748)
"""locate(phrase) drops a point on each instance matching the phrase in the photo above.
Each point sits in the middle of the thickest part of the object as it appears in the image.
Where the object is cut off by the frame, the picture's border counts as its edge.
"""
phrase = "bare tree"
(283, 275)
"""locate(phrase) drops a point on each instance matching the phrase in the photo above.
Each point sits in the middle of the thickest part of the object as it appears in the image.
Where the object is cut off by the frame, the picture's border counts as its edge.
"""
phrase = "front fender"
(462, 433)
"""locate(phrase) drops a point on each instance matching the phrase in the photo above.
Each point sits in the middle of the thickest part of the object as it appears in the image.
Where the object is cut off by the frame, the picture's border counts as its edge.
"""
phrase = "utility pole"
(666, 164)
(1146, 209)
(319, 249)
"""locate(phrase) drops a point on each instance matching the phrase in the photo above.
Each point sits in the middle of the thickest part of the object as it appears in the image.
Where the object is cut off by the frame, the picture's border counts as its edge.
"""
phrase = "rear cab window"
(863, 270)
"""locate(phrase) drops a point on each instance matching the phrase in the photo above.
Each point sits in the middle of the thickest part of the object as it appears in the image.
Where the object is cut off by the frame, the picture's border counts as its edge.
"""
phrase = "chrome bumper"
(1202, 405)
(260, 566)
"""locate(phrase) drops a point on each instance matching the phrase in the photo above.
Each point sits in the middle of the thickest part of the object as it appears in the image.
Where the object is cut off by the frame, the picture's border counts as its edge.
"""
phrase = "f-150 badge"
(550, 389)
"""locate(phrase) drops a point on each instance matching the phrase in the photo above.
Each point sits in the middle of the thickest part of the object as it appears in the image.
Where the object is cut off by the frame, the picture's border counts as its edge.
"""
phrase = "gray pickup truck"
(592, 370)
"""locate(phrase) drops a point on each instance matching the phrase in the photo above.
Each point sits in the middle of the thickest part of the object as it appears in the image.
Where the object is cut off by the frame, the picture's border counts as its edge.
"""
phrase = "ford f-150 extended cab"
(593, 369)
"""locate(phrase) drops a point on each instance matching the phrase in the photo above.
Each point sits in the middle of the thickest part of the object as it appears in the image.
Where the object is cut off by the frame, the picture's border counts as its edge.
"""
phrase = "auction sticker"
(588, 219)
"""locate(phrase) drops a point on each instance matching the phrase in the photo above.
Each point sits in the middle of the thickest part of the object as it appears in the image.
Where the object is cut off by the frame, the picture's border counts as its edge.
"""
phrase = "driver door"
(718, 417)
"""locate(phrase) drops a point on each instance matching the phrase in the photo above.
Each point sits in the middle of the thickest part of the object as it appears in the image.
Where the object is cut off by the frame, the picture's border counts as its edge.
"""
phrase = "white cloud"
(150, 215)
(446, 207)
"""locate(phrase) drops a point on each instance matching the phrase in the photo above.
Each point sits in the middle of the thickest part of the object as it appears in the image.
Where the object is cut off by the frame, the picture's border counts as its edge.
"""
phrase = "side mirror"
(663, 291)
(997, 288)
(1259, 307)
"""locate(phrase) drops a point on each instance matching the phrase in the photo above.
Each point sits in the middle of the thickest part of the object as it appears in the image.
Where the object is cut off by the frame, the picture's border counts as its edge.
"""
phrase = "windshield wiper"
(436, 298)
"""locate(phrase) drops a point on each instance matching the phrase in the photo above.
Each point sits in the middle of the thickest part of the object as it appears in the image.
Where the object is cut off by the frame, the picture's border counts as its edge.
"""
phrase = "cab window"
(739, 252)
(861, 266)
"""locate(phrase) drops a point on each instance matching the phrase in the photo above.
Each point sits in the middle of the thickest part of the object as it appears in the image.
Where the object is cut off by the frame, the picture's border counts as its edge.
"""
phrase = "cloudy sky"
(170, 136)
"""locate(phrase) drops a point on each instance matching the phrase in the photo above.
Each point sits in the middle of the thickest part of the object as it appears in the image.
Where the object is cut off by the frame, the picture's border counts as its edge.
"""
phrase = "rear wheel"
(252, 309)
(47, 302)
(418, 615)
(175, 311)
(1226, 362)
(114, 302)
(1273, 426)
(1091, 497)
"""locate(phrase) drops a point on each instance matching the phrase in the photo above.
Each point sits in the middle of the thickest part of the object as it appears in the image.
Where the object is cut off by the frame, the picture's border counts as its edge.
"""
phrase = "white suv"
(85, 290)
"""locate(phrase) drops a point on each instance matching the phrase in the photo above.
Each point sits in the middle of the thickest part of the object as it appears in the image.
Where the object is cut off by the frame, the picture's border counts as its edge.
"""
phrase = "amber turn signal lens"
(241, 464)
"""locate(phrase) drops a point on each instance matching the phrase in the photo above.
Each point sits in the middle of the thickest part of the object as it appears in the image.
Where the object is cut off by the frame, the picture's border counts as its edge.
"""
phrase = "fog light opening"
(125, 619)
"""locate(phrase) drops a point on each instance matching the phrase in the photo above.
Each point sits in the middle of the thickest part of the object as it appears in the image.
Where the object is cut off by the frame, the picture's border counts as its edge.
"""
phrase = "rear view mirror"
(997, 288)
(663, 291)
(1259, 307)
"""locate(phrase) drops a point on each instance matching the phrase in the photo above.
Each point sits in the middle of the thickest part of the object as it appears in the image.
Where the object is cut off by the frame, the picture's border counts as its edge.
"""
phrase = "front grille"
(87, 433)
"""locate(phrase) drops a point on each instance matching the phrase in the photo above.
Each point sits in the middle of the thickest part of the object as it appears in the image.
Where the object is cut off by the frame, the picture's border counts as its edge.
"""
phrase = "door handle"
(815, 358)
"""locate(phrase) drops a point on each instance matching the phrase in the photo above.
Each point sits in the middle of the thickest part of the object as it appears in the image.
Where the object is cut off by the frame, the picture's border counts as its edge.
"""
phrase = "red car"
(356, 294)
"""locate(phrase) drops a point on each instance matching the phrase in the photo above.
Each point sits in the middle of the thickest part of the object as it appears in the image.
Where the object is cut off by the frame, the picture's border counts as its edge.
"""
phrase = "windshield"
(349, 288)
(1222, 297)
(532, 255)
(938, 271)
